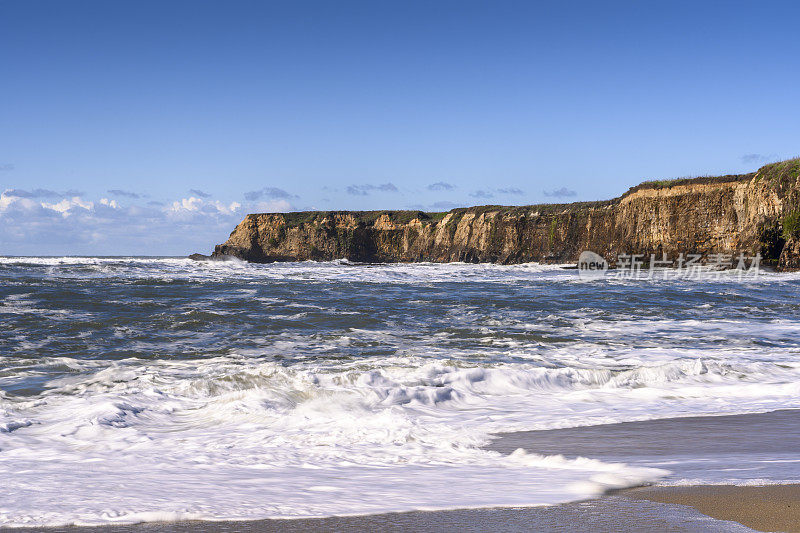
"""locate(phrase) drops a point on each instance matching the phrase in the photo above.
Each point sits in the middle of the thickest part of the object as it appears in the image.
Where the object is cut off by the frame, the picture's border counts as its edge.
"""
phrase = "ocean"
(142, 389)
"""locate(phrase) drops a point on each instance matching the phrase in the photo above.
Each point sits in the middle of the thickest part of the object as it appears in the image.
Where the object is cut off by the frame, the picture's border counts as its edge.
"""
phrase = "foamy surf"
(136, 391)
(124, 447)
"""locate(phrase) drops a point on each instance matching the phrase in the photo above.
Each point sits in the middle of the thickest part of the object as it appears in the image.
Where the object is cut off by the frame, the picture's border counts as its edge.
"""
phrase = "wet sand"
(610, 514)
(776, 433)
(755, 448)
(748, 449)
(764, 508)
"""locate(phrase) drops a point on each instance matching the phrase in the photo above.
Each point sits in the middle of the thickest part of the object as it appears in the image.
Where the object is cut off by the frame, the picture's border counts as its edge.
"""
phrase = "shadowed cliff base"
(750, 213)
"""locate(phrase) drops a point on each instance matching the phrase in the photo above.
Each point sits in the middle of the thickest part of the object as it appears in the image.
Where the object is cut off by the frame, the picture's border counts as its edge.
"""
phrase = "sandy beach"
(763, 508)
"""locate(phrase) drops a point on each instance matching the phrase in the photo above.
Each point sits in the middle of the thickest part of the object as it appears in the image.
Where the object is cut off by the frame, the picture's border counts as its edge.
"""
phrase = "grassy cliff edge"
(751, 213)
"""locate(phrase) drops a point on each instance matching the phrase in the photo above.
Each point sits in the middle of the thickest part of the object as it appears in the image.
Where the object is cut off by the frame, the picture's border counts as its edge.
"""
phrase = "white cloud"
(73, 224)
(10, 201)
(187, 204)
(232, 207)
(6, 201)
(110, 203)
(66, 205)
(194, 204)
(275, 206)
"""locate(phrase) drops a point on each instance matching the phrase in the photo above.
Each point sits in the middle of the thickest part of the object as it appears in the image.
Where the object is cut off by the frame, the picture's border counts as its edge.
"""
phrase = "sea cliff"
(752, 213)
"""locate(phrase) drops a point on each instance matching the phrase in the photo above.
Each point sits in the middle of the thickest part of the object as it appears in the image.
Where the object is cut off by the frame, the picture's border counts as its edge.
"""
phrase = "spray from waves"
(175, 269)
(141, 389)
(143, 440)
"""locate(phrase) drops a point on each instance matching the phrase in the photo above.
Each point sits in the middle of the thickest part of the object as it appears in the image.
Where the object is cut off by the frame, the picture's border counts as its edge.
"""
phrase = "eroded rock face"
(729, 214)
(790, 256)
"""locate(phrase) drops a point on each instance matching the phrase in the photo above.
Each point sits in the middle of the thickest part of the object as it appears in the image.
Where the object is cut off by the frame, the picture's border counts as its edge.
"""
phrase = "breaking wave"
(137, 389)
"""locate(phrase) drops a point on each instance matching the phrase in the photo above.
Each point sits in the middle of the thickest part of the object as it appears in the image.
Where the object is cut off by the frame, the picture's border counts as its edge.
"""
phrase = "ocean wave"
(391, 434)
(161, 388)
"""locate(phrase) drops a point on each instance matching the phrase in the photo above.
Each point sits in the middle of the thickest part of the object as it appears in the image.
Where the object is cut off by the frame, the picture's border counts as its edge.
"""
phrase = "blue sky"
(153, 127)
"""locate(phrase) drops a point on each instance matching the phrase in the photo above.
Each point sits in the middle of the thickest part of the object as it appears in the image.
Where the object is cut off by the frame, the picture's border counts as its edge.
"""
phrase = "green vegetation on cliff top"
(791, 225)
(782, 172)
(696, 180)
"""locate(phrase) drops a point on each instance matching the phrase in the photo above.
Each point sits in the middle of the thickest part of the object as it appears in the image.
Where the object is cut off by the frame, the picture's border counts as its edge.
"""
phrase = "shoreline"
(612, 512)
(740, 468)
(760, 507)
(725, 443)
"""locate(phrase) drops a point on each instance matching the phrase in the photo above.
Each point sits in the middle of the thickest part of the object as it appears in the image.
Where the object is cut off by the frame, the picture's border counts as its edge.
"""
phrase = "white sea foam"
(172, 268)
(247, 434)
(230, 438)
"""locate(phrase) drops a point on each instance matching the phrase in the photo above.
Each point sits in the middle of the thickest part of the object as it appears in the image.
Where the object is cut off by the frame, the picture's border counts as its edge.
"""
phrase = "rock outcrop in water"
(752, 213)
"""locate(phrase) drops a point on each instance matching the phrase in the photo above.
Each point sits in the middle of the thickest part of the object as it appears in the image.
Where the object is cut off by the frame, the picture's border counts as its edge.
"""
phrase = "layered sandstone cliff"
(751, 213)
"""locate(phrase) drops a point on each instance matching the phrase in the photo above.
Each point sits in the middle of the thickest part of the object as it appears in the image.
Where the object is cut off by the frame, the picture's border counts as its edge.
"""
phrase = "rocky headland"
(752, 213)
